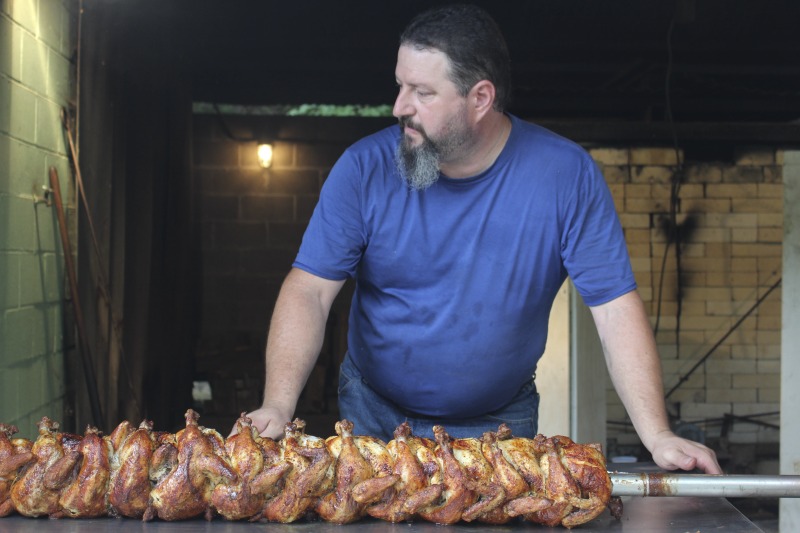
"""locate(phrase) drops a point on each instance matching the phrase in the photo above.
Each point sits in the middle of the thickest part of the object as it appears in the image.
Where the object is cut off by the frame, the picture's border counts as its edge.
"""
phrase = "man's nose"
(402, 108)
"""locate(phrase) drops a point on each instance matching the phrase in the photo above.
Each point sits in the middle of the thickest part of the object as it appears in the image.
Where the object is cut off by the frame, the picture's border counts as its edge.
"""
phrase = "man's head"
(452, 69)
(472, 42)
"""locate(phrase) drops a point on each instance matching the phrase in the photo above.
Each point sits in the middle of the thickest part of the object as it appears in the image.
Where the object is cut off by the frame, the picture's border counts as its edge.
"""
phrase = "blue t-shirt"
(454, 284)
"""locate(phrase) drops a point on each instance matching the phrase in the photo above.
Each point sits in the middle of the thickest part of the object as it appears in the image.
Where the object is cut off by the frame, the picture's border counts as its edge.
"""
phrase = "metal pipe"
(86, 356)
(732, 486)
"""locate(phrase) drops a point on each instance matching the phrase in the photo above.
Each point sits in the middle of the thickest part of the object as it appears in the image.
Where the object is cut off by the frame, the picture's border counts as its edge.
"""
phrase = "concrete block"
(754, 156)
(17, 111)
(655, 156)
(49, 132)
(731, 395)
(61, 83)
(756, 381)
(31, 279)
(741, 174)
(758, 250)
(51, 25)
(239, 235)
(23, 12)
(707, 205)
(635, 220)
(770, 190)
(610, 156)
(24, 164)
(757, 205)
(732, 190)
(9, 281)
(219, 207)
(617, 174)
(704, 173)
(773, 174)
(11, 44)
(652, 174)
(294, 182)
(34, 64)
(770, 235)
(692, 190)
(216, 154)
(20, 210)
(274, 208)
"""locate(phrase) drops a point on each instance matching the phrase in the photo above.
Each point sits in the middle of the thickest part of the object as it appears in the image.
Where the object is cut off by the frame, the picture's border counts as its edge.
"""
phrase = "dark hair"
(473, 43)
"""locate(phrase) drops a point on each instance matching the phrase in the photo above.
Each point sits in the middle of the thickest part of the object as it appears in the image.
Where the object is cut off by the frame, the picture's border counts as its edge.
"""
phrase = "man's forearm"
(295, 337)
(634, 364)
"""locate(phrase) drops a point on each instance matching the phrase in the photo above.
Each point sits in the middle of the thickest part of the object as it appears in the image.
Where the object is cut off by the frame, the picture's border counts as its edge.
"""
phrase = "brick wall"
(731, 216)
(37, 39)
(251, 222)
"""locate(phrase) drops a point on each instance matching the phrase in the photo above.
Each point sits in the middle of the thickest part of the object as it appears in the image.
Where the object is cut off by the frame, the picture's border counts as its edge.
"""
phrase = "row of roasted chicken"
(141, 473)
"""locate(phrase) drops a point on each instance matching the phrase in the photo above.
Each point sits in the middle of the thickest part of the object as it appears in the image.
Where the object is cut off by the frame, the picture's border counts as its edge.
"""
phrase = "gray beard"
(418, 166)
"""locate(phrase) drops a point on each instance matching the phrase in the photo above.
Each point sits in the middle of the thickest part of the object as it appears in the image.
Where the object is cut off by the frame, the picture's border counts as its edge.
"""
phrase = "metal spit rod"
(733, 486)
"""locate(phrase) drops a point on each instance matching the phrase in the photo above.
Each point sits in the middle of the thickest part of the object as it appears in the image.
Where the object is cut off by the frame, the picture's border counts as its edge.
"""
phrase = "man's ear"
(482, 97)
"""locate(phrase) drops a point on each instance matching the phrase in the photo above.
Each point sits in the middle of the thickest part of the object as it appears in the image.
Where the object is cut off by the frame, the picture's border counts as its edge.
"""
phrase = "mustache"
(406, 122)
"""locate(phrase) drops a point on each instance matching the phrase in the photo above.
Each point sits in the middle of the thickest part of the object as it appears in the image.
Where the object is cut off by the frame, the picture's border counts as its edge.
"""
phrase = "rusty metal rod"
(727, 486)
(86, 357)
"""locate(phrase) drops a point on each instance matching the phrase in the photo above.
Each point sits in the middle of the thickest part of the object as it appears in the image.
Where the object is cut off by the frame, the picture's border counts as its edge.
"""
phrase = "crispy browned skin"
(506, 482)
(457, 494)
(185, 492)
(85, 494)
(14, 454)
(308, 478)
(129, 488)
(257, 463)
(587, 466)
(414, 482)
(173, 476)
(350, 469)
(29, 493)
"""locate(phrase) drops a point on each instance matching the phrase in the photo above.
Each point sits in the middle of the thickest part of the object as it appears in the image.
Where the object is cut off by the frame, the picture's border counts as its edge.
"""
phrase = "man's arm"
(635, 368)
(295, 339)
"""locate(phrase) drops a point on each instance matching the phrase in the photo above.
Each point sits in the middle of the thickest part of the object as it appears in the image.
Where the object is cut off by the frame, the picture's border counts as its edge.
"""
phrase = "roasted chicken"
(415, 475)
(14, 454)
(258, 466)
(129, 488)
(307, 480)
(141, 473)
(185, 492)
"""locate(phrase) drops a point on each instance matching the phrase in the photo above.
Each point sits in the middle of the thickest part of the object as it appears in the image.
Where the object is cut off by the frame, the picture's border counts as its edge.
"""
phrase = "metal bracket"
(46, 198)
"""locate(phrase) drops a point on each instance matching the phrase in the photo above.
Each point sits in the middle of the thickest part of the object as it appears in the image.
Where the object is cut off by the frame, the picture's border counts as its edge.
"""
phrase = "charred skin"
(185, 492)
(196, 472)
(408, 487)
(85, 495)
(256, 476)
(129, 487)
(457, 495)
(14, 455)
(351, 468)
(307, 479)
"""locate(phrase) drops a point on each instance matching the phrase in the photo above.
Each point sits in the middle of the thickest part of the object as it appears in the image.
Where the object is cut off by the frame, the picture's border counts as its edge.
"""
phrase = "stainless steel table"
(640, 515)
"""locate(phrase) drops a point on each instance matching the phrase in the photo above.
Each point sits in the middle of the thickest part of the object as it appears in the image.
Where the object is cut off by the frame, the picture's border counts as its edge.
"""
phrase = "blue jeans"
(374, 415)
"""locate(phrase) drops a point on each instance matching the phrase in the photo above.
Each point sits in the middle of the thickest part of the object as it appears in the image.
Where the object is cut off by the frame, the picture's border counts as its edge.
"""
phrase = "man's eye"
(423, 94)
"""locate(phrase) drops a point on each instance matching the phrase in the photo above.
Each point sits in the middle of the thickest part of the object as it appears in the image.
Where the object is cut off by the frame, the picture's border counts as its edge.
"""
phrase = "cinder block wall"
(252, 222)
(37, 40)
(730, 213)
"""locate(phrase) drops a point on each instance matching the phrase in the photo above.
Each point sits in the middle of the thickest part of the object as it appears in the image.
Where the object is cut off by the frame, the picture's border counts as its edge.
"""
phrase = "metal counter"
(640, 515)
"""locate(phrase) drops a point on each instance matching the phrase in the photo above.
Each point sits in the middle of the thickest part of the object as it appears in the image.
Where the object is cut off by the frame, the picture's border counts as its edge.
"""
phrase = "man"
(459, 227)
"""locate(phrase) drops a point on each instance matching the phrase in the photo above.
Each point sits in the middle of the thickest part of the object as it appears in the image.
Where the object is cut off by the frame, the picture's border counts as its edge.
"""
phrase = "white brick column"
(790, 337)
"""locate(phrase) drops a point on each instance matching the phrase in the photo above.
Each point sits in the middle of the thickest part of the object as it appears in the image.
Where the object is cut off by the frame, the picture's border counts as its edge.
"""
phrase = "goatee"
(419, 166)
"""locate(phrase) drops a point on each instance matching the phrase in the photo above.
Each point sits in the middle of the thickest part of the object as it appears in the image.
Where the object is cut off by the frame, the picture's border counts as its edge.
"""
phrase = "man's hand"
(673, 452)
(269, 421)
